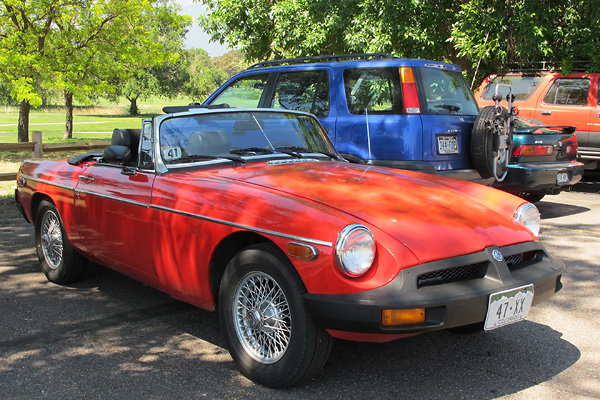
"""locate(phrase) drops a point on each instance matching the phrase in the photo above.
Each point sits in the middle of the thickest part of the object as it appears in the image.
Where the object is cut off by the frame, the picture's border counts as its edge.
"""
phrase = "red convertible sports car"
(253, 213)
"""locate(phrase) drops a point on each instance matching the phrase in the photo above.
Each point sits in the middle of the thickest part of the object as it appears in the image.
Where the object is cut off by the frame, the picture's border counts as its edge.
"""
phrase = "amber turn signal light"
(403, 317)
(302, 251)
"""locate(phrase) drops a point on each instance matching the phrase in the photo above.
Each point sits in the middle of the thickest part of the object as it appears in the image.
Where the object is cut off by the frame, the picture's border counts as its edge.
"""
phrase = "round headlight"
(529, 216)
(355, 250)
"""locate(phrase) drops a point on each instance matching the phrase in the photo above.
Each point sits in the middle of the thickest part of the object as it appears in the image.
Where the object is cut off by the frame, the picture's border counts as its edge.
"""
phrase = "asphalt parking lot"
(110, 337)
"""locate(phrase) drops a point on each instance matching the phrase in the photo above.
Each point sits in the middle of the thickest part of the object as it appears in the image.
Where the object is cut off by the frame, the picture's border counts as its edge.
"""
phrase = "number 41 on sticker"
(172, 153)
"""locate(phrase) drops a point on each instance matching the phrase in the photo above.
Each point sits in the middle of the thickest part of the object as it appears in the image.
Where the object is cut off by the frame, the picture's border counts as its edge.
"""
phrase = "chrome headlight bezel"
(355, 250)
(529, 215)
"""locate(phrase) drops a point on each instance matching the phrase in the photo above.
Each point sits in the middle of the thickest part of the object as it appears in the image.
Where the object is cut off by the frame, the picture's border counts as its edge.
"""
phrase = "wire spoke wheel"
(52, 241)
(262, 317)
(268, 328)
(59, 261)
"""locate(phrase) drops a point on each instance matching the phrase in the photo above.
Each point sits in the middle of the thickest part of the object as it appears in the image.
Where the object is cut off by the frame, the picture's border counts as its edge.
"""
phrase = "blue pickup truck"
(412, 114)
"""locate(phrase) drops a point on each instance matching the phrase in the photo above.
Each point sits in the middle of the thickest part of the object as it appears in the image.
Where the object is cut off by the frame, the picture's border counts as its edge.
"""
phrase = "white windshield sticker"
(171, 153)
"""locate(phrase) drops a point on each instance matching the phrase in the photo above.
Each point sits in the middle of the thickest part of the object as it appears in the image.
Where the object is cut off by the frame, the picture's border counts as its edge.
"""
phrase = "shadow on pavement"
(549, 210)
(112, 335)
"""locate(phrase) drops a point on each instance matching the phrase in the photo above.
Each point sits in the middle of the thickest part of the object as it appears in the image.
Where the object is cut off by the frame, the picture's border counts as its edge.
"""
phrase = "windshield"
(446, 92)
(523, 86)
(239, 135)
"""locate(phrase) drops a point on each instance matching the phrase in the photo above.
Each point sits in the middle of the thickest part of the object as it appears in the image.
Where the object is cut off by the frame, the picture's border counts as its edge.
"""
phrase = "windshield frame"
(164, 166)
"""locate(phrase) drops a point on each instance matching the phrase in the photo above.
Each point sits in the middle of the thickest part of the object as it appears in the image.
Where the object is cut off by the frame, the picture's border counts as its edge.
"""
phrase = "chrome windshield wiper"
(297, 149)
(202, 157)
(291, 150)
(250, 150)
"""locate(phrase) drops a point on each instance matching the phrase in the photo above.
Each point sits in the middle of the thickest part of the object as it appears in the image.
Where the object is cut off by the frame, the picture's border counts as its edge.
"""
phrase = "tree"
(163, 72)
(462, 32)
(265, 29)
(26, 32)
(231, 62)
(76, 45)
(500, 34)
(96, 41)
(204, 77)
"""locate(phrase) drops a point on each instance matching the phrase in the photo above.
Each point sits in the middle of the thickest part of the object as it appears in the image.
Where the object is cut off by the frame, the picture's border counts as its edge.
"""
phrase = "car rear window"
(523, 86)
(568, 91)
(375, 90)
(446, 92)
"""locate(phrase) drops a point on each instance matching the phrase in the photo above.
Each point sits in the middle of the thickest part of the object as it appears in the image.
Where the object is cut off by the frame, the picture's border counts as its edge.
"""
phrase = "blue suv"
(399, 113)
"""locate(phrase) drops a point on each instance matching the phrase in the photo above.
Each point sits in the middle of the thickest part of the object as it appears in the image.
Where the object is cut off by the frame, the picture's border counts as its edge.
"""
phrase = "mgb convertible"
(253, 213)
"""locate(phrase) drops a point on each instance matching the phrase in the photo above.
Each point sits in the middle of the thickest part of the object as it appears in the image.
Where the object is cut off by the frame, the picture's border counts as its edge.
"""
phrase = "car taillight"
(533, 150)
(409, 91)
(571, 148)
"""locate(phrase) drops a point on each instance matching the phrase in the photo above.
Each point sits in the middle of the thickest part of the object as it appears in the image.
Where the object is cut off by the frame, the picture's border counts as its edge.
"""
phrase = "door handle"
(546, 112)
(86, 178)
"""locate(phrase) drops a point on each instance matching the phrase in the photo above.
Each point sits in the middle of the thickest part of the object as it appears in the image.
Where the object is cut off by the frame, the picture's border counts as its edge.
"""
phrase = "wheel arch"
(226, 250)
(36, 199)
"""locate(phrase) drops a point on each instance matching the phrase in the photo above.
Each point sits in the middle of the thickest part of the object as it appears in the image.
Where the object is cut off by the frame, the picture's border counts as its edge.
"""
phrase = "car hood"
(431, 215)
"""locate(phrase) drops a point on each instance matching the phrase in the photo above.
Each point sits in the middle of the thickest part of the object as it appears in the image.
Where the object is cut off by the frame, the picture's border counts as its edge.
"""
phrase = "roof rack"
(329, 58)
(545, 66)
(191, 106)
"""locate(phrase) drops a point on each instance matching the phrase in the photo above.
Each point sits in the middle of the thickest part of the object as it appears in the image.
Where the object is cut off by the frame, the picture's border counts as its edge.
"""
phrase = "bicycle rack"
(504, 133)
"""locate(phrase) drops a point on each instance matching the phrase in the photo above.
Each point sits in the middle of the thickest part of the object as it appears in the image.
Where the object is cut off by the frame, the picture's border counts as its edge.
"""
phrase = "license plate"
(508, 307)
(447, 145)
(562, 178)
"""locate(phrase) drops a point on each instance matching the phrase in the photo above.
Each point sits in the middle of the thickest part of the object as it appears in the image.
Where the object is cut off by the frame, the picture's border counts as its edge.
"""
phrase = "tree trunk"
(69, 120)
(24, 122)
(133, 108)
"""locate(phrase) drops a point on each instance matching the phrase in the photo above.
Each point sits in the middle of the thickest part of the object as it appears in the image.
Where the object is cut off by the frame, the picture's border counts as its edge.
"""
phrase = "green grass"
(89, 123)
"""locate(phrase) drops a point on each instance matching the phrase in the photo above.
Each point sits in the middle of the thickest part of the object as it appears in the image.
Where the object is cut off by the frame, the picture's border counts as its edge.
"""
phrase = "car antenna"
(369, 161)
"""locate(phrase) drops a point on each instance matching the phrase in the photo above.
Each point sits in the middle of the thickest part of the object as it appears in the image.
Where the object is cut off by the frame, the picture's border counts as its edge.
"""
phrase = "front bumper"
(454, 292)
(19, 205)
(540, 177)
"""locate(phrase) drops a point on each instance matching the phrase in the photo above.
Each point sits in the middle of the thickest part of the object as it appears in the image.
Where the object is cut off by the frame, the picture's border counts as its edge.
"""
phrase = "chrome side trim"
(119, 199)
(245, 227)
(186, 214)
(31, 178)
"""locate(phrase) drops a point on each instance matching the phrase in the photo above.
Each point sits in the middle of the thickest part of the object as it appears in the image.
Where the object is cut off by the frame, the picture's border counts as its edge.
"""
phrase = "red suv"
(554, 99)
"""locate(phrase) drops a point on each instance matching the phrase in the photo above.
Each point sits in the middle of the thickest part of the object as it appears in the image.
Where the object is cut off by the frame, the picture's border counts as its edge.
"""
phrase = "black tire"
(59, 261)
(484, 142)
(531, 197)
(265, 320)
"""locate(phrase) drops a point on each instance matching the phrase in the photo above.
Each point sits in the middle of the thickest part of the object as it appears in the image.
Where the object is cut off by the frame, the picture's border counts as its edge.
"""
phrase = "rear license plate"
(447, 145)
(508, 307)
(562, 178)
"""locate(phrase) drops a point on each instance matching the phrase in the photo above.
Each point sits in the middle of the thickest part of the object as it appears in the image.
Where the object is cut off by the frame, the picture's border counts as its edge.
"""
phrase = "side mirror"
(115, 154)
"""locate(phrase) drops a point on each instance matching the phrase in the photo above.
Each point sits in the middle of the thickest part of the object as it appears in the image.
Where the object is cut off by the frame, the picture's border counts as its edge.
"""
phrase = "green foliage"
(265, 29)
(467, 32)
(156, 67)
(82, 46)
(517, 33)
(204, 78)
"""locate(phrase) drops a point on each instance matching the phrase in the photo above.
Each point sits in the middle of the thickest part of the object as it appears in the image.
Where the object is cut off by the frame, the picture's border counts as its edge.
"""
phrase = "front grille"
(462, 273)
(519, 260)
(514, 259)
